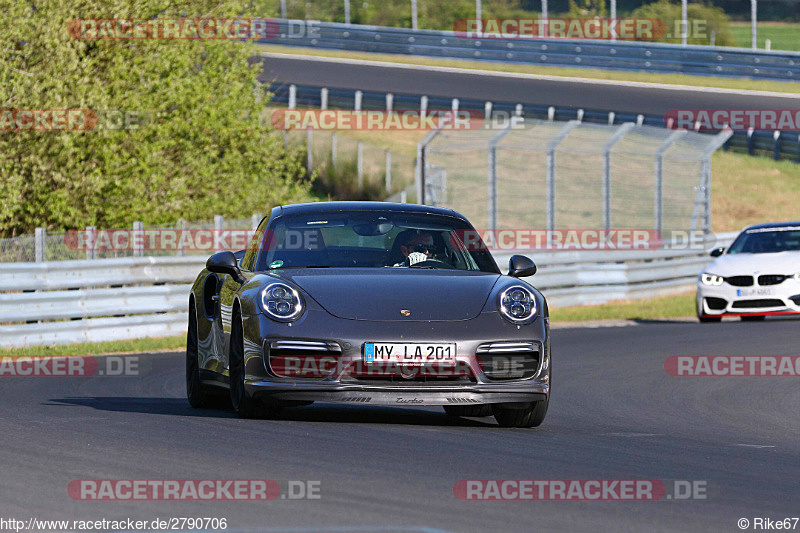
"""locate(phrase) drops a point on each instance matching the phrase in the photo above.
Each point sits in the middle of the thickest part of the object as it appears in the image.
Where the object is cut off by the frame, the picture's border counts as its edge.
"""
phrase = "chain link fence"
(552, 175)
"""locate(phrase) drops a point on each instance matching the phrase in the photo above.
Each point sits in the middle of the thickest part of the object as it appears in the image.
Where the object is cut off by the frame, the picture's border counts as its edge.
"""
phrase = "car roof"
(328, 207)
(769, 225)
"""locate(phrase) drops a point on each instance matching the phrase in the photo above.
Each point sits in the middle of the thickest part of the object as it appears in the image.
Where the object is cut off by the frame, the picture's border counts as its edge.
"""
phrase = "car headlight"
(711, 279)
(281, 302)
(517, 304)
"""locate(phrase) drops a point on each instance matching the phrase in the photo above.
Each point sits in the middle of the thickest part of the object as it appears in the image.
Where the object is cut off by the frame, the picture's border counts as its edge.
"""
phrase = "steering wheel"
(431, 263)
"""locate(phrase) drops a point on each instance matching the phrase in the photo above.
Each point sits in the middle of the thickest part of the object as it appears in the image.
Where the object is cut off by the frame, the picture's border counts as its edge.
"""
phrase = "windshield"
(767, 241)
(371, 239)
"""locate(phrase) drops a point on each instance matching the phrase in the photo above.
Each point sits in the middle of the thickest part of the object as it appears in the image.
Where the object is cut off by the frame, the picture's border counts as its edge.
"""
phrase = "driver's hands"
(416, 257)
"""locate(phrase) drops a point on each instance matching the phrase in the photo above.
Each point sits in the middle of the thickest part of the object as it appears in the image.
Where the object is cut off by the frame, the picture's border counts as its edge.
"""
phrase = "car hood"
(381, 294)
(747, 264)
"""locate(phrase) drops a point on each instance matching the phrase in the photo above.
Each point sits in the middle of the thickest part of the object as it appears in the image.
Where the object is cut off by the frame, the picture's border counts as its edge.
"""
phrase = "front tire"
(197, 393)
(530, 416)
(469, 410)
(244, 405)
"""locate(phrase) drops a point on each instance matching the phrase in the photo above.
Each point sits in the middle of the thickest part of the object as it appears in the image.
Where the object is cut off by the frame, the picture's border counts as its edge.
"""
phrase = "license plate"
(755, 292)
(409, 353)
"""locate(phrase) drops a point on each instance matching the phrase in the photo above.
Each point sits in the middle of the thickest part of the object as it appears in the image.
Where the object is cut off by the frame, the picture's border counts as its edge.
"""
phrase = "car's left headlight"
(281, 302)
(517, 304)
(711, 279)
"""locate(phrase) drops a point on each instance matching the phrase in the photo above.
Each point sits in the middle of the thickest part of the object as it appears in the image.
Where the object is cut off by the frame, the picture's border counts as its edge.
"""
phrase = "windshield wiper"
(299, 266)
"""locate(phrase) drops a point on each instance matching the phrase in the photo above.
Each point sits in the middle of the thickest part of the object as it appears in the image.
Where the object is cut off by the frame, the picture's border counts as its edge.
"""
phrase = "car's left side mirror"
(716, 252)
(225, 263)
(520, 266)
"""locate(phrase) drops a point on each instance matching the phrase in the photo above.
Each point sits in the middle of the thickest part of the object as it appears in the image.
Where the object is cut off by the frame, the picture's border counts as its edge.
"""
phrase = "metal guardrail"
(619, 55)
(123, 309)
(776, 144)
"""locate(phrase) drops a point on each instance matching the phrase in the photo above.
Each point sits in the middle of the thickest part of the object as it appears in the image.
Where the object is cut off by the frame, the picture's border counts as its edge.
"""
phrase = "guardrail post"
(388, 171)
(389, 102)
(551, 113)
(91, 242)
(323, 98)
(658, 195)
(360, 164)
(551, 176)
(138, 239)
(423, 106)
(611, 116)
(751, 142)
(283, 9)
(609, 144)
(347, 12)
(40, 245)
(518, 110)
(358, 100)
(454, 105)
(334, 148)
(292, 96)
(487, 111)
(777, 148)
(181, 229)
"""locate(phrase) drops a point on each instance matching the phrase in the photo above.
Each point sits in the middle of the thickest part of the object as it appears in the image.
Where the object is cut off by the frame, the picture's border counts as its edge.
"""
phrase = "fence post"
(423, 106)
(334, 149)
(492, 178)
(360, 163)
(419, 174)
(292, 96)
(777, 149)
(388, 171)
(91, 242)
(138, 239)
(358, 100)
(658, 193)
(389, 102)
(309, 150)
(40, 245)
(751, 142)
(323, 98)
(219, 227)
(181, 229)
(609, 144)
(551, 176)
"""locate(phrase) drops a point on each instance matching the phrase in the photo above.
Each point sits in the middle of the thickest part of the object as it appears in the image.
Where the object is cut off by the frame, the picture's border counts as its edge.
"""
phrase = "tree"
(199, 149)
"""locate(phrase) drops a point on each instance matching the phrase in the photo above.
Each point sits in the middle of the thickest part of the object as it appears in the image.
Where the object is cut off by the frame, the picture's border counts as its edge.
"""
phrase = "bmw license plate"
(409, 353)
(755, 292)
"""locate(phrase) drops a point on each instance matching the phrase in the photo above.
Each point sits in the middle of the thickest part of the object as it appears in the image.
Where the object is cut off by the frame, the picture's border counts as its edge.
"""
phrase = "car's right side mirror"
(520, 266)
(716, 252)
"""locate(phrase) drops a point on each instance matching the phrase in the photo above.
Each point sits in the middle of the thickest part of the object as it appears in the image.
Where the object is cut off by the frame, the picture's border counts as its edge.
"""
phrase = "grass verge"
(673, 306)
(617, 75)
(784, 35)
(159, 344)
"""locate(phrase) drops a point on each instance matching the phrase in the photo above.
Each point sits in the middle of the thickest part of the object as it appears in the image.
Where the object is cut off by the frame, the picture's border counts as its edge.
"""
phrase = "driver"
(416, 246)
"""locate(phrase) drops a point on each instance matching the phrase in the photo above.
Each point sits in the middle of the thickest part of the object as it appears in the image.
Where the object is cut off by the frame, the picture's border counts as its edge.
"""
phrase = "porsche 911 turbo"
(370, 303)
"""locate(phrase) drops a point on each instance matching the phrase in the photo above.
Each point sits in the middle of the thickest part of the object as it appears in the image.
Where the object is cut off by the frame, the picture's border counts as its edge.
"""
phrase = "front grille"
(771, 279)
(717, 304)
(740, 281)
(290, 358)
(509, 360)
(754, 304)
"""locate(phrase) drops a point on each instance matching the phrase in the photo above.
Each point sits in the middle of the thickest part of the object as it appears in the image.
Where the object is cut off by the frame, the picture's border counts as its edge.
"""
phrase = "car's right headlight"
(517, 305)
(281, 302)
(711, 279)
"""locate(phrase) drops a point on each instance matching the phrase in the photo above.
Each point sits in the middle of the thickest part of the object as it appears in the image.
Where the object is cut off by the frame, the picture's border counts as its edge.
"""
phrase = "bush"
(670, 12)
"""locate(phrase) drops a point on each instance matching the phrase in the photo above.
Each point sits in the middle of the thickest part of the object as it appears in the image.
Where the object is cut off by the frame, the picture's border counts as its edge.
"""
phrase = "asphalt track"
(615, 414)
(621, 98)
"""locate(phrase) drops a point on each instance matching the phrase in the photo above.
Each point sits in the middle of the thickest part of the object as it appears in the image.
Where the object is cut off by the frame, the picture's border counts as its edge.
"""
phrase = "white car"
(758, 275)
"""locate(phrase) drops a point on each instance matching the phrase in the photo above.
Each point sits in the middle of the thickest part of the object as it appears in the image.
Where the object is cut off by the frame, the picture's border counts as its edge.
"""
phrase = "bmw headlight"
(517, 304)
(711, 279)
(281, 302)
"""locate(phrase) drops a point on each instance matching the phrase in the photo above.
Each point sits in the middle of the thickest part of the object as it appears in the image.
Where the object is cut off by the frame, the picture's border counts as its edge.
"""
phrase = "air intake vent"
(757, 304)
(771, 279)
(509, 360)
(716, 304)
(740, 281)
(289, 358)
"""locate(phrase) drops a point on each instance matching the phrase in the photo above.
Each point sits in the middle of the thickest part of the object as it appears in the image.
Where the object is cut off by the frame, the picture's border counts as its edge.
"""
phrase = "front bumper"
(346, 338)
(754, 300)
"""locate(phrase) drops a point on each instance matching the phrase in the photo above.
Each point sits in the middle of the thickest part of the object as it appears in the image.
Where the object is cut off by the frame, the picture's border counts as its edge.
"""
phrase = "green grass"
(784, 35)
(618, 75)
(160, 344)
(674, 306)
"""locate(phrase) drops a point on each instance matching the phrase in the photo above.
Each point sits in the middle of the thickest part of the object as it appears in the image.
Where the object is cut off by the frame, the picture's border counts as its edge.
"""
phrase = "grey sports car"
(369, 303)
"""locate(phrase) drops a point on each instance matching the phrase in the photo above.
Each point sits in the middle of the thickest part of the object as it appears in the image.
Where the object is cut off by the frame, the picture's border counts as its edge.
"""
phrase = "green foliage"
(582, 9)
(200, 151)
(341, 182)
(714, 20)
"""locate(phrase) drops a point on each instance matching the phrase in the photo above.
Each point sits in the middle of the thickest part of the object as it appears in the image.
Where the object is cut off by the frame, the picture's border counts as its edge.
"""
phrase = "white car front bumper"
(756, 299)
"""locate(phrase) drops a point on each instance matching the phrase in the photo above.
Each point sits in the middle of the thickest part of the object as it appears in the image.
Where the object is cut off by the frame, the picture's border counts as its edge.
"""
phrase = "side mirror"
(716, 252)
(520, 266)
(225, 263)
